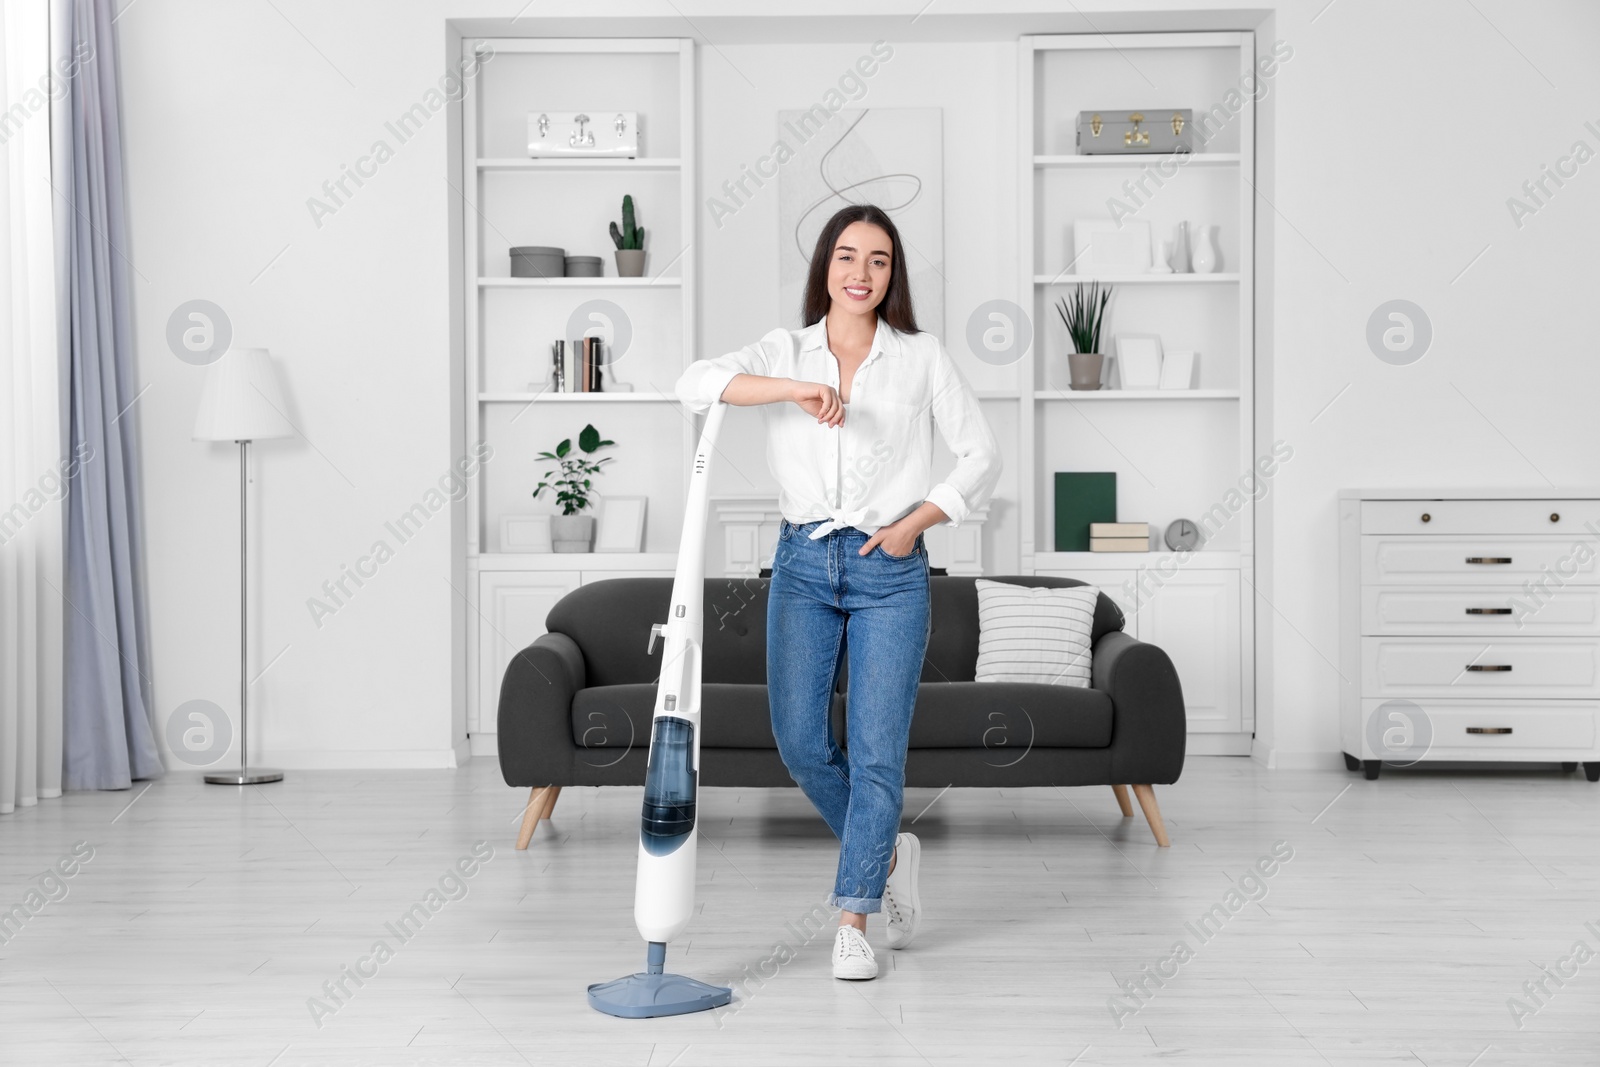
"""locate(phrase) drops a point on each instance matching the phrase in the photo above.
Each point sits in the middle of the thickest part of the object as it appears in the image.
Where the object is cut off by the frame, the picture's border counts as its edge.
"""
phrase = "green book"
(1083, 497)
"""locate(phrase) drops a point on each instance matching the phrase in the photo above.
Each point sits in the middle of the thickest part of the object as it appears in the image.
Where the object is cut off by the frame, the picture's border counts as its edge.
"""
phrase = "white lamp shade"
(242, 399)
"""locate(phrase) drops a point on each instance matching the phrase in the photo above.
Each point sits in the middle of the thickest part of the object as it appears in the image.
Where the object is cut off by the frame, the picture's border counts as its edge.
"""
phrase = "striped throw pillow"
(1030, 634)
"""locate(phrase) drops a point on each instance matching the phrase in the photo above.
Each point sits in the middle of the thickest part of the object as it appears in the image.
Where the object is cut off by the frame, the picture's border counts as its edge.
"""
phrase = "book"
(1119, 544)
(1119, 529)
(1082, 497)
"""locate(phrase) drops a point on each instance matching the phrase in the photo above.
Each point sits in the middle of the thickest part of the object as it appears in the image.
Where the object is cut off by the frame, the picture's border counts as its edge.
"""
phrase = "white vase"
(1205, 251)
(1180, 249)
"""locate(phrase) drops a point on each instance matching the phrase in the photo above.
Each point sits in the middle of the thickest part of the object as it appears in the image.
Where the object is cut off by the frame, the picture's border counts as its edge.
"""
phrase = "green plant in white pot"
(630, 243)
(1083, 313)
(572, 531)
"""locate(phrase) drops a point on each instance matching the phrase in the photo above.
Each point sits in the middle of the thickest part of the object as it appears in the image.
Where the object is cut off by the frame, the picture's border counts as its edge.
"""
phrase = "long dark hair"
(895, 307)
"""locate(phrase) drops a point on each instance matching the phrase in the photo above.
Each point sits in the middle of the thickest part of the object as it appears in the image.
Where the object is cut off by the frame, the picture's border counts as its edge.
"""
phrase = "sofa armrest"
(535, 715)
(1149, 727)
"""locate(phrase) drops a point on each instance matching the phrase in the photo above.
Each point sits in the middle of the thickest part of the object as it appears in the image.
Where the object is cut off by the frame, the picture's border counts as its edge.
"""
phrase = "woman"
(855, 394)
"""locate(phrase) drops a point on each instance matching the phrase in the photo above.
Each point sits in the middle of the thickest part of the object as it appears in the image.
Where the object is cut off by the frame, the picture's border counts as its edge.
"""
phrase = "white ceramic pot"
(572, 533)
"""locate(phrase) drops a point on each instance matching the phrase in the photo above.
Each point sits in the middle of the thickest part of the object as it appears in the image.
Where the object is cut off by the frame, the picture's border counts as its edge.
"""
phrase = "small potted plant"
(571, 531)
(1084, 312)
(630, 243)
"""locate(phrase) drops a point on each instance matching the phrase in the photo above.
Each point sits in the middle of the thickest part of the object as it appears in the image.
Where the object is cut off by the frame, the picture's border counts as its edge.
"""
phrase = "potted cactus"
(630, 243)
(571, 531)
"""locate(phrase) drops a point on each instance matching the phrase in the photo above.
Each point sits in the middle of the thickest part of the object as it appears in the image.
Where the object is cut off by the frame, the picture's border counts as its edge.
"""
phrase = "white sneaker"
(901, 904)
(852, 956)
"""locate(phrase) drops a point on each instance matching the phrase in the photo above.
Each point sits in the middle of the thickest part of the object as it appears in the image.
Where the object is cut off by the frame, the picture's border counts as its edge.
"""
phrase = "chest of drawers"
(1469, 627)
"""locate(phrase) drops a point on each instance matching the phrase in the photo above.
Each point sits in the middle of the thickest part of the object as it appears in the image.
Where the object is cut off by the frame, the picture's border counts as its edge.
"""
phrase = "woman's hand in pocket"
(896, 539)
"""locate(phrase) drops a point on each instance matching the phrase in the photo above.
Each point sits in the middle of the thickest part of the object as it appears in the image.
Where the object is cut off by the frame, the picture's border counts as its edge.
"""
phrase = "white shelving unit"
(1178, 452)
(509, 323)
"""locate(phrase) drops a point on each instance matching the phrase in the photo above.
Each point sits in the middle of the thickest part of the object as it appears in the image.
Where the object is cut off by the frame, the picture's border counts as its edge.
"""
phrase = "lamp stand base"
(245, 776)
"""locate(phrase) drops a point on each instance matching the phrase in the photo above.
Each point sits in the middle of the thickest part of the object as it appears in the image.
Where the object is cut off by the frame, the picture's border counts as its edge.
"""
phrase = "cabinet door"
(512, 607)
(1194, 617)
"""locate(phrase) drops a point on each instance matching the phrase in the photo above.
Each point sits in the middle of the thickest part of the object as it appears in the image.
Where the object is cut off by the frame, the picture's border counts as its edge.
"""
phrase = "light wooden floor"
(1412, 909)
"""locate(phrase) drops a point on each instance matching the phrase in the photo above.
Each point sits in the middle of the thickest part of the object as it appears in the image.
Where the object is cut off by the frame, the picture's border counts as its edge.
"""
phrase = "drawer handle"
(1488, 729)
(1488, 559)
(1488, 611)
(1488, 666)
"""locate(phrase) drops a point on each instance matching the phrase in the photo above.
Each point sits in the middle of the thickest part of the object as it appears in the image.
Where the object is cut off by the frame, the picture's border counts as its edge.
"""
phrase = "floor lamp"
(242, 401)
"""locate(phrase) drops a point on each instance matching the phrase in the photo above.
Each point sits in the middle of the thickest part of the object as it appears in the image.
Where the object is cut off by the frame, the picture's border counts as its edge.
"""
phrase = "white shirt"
(876, 467)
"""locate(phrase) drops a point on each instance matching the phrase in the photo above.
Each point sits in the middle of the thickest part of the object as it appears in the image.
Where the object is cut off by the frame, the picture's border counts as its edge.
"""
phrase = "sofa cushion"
(731, 716)
(1010, 717)
(953, 644)
(1034, 635)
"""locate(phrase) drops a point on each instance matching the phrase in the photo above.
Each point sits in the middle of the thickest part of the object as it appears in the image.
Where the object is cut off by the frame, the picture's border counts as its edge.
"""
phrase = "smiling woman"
(851, 401)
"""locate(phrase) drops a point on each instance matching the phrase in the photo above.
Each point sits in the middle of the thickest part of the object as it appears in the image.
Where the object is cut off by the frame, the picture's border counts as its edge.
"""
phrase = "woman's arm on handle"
(741, 378)
(748, 390)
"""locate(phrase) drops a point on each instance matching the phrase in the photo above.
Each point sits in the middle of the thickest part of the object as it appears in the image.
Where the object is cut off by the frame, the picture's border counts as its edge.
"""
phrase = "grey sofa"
(576, 705)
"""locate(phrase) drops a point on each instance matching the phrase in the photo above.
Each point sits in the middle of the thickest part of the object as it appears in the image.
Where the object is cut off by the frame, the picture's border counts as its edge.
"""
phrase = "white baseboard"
(484, 744)
(1218, 745)
(463, 752)
(1274, 759)
(352, 759)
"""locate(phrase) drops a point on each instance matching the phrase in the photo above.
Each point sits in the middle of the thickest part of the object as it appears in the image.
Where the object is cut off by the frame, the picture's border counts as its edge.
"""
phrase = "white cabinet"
(512, 606)
(1202, 611)
(1193, 616)
(502, 326)
(514, 595)
(1469, 627)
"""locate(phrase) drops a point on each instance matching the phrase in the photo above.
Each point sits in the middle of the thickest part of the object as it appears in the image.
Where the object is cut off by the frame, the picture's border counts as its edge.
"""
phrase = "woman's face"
(858, 276)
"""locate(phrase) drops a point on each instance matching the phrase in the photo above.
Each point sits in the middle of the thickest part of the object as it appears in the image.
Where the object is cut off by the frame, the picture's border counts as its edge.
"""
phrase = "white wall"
(1374, 201)
(1397, 134)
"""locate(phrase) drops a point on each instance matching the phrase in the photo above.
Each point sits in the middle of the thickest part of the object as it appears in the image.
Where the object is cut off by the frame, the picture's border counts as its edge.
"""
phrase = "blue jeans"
(823, 595)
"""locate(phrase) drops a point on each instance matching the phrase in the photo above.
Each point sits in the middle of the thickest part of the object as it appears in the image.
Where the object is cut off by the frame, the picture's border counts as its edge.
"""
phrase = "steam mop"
(663, 897)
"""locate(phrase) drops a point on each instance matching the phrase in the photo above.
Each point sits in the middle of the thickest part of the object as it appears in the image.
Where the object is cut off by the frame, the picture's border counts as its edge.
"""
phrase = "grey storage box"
(538, 261)
(585, 267)
(1113, 133)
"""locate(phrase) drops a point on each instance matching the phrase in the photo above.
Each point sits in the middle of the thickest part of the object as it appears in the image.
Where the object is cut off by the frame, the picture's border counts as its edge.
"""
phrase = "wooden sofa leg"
(533, 813)
(553, 793)
(1122, 800)
(1152, 813)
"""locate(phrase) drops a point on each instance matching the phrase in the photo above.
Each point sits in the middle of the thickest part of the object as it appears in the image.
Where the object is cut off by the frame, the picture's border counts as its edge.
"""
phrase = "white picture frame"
(1100, 246)
(621, 525)
(1139, 360)
(1177, 369)
(525, 533)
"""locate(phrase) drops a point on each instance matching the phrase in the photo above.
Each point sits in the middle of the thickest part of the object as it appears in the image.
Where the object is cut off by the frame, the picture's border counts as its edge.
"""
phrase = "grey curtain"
(108, 740)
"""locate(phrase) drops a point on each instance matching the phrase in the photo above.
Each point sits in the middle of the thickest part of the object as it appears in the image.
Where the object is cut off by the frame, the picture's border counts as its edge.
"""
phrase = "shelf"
(1193, 159)
(1137, 279)
(662, 163)
(1201, 559)
(1138, 394)
(548, 397)
(577, 561)
(579, 283)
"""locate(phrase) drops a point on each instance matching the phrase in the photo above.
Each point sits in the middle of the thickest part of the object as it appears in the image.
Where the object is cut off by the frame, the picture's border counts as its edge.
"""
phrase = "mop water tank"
(669, 787)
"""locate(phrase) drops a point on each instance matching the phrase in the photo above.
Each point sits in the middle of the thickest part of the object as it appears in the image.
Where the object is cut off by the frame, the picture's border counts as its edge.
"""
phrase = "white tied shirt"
(876, 467)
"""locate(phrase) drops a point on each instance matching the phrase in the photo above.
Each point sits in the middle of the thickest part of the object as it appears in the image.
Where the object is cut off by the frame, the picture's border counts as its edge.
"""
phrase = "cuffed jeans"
(823, 595)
